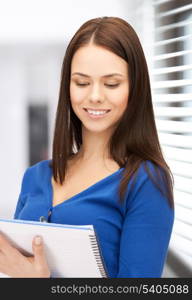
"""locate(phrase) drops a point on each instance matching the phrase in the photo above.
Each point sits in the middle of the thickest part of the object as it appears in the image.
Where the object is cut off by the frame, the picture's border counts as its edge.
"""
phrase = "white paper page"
(68, 248)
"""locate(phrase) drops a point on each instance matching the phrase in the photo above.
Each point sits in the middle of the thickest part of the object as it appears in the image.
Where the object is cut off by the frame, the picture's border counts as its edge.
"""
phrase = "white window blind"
(172, 99)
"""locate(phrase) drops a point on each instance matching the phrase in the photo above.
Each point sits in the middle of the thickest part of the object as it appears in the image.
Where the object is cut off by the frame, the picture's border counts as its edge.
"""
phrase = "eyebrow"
(105, 76)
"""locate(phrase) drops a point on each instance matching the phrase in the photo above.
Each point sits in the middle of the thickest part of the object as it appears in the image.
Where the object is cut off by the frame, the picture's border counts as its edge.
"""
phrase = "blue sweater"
(133, 237)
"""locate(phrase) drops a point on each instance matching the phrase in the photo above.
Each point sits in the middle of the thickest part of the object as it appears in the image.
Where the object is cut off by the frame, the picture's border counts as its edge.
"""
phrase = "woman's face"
(99, 87)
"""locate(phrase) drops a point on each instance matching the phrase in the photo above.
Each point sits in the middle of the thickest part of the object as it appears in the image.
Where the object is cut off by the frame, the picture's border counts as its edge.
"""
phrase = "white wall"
(13, 152)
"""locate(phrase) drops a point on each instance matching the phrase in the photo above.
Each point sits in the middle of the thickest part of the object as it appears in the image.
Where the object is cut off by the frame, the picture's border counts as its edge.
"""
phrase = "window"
(172, 98)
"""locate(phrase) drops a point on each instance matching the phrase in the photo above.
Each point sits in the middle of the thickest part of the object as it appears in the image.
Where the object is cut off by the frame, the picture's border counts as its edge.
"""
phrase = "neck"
(94, 146)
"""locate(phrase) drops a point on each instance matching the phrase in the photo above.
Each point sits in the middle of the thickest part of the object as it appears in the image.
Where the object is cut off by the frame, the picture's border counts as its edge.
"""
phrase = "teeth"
(94, 112)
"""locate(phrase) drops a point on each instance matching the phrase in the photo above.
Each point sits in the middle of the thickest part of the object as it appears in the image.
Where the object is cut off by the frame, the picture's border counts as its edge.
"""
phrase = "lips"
(95, 116)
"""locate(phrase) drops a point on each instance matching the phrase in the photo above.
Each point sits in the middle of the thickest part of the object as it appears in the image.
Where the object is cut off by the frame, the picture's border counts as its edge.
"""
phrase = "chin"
(96, 128)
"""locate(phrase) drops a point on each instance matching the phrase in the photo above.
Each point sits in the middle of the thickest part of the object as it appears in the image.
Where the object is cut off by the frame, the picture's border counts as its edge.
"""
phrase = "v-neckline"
(78, 194)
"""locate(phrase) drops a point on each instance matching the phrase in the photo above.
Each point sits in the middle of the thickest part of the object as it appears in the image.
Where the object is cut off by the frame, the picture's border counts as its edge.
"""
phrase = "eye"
(112, 85)
(82, 84)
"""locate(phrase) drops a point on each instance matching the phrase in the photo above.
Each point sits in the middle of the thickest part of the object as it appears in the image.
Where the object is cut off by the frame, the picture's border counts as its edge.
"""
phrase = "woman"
(107, 168)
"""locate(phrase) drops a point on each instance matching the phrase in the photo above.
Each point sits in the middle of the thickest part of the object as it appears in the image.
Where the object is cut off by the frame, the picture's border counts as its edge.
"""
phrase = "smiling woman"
(107, 168)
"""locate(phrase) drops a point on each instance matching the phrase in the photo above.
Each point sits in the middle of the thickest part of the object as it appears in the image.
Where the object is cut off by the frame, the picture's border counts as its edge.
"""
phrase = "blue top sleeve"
(146, 233)
(24, 187)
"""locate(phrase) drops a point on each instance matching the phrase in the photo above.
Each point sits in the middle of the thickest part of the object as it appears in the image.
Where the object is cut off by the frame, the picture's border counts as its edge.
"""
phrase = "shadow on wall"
(175, 268)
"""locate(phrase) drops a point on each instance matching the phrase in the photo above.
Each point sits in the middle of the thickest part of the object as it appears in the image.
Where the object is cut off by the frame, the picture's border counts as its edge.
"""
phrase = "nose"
(96, 94)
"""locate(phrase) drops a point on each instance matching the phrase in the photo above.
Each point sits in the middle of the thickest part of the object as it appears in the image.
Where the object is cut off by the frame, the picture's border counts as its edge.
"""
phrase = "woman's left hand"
(15, 264)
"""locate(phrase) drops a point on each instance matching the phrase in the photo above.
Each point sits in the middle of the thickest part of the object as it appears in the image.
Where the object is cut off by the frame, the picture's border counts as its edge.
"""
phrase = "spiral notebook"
(72, 251)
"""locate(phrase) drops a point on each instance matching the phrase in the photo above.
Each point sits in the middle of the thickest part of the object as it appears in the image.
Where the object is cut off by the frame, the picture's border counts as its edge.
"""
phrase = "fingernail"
(38, 240)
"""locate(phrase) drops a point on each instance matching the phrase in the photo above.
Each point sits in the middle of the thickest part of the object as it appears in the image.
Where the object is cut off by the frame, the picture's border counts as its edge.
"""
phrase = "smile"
(95, 114)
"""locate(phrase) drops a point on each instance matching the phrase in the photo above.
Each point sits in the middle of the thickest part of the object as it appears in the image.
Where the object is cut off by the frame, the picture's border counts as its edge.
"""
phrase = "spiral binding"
(97, 254)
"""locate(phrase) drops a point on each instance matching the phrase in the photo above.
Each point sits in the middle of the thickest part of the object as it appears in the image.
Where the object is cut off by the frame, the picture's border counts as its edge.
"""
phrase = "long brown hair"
(135, 139)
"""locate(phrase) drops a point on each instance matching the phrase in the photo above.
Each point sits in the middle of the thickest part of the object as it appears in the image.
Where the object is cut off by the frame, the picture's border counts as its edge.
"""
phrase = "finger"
(38, 250)
(5, 245)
